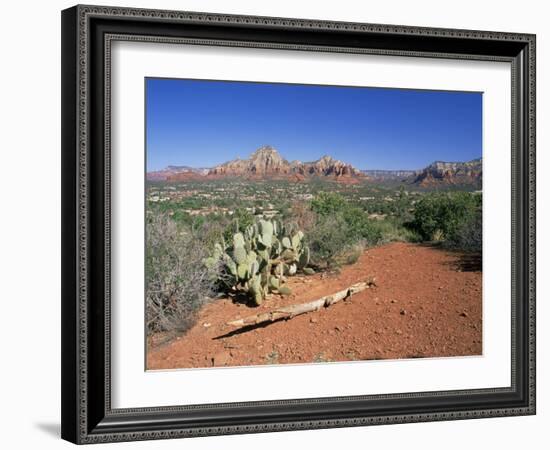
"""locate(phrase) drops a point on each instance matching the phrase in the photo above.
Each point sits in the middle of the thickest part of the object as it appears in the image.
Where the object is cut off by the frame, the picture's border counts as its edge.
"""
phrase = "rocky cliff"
(450, 173)
(266, 162)
(170, 171)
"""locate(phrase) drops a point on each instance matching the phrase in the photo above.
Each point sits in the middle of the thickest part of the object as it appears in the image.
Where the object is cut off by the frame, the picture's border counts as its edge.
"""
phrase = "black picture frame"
(87, 416)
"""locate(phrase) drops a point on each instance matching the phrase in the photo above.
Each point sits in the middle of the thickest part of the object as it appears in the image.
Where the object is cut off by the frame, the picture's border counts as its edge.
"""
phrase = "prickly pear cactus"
(258, 260)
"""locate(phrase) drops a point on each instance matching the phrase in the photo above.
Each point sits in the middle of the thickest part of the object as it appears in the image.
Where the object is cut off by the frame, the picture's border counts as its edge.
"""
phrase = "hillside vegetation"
(186, 223)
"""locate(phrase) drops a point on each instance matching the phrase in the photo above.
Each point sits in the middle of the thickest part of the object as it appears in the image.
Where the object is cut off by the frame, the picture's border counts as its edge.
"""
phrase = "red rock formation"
(266, 162)
(188, 175)
(450, 173)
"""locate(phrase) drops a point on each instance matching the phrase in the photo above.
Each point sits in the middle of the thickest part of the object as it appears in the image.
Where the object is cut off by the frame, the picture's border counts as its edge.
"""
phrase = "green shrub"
(357, 224)
(326, 203)
(241, 220)
(360, 227)
(468, 236)
(443, 214)
(339, 226)
(393, 230)
(329, 239)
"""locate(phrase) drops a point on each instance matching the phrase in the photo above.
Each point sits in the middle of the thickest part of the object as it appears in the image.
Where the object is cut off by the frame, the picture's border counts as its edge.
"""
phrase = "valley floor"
(426, 303)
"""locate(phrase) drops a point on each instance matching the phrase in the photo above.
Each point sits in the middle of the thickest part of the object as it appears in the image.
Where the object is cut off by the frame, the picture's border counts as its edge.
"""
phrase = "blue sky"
(204, 123)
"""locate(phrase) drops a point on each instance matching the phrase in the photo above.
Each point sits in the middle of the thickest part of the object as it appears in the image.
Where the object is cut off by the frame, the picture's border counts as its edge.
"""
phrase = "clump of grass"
(272, 358)
(392, 230)
(322, 358)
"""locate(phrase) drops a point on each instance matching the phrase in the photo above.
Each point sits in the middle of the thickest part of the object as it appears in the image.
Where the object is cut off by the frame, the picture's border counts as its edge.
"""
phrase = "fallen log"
(288, 312)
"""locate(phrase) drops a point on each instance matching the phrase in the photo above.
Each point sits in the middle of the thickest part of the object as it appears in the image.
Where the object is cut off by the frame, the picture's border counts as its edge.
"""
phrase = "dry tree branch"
(288, 312)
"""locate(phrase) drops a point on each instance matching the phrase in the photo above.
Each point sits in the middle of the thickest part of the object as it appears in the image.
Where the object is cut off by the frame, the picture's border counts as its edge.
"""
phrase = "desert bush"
(468, 236)
(328, 240)
(210, 231)
(244, 218)
(178, 283)
(360, 228)
(240, 221)
(326, 203)
(351, 256)
(340, 230)
(443, 214)
(394, 230)
(302, 213)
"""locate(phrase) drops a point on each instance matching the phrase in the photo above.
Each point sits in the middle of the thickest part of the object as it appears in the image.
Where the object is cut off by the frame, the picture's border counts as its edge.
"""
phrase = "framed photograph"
(279, 224)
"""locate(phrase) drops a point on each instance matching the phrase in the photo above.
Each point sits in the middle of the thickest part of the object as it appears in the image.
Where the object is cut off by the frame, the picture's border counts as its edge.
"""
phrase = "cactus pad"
(261, 256)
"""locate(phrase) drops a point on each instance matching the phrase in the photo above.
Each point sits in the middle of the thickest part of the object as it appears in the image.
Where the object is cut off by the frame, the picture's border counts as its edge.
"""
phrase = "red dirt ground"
(426, 303)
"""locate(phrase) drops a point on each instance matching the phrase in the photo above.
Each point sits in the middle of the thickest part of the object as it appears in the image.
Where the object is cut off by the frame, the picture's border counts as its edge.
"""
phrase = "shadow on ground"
(467, 262)
(244, 329)
(470, 263)
(52, 429)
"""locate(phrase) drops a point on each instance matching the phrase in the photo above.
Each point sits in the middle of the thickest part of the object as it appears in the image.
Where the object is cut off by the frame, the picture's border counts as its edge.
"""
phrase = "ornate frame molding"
(80, 419)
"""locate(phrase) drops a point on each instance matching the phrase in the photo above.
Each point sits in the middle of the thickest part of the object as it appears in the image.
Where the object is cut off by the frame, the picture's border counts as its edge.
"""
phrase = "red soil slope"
(427, 303)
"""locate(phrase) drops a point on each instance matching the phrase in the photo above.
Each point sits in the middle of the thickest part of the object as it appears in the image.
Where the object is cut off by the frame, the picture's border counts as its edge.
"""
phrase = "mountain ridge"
(267, 163)
(450, 173)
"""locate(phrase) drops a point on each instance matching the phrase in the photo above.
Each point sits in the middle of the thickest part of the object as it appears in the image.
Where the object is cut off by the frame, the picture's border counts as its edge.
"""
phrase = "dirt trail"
(427, 303)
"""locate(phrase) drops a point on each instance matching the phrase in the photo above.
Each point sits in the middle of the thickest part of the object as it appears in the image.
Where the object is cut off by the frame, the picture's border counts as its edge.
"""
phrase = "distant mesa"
(267, 163)
(450, 173)
(384, 175)
(165, 174)
(437, 174)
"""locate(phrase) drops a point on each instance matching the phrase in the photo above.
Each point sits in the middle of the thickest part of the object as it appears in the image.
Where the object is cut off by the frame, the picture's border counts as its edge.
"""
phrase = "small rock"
(313, 320)
(394, 301)
(338, 328)
(463, 314)
(221, 359)
(398, 332)
(403, 312)
(206, 324)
